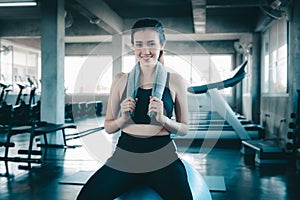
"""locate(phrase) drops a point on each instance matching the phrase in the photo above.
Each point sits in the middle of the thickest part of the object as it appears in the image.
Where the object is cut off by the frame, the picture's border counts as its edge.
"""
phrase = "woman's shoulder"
(120, 78)
(176, 82)
(119, 82)
(176, 78)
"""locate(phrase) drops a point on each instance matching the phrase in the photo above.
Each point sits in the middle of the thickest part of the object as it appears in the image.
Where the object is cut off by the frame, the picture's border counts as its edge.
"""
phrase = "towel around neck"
(133, 82)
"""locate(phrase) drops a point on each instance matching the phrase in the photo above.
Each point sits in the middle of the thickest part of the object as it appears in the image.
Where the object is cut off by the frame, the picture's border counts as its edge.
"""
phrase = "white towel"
(159, 83)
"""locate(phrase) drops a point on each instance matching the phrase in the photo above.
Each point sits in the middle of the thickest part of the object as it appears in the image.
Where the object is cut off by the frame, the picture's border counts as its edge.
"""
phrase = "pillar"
(53, 52)
(256, 77)
(117, 53)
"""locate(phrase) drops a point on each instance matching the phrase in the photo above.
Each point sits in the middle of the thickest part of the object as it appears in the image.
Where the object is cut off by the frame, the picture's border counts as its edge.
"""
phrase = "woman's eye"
(138, 45)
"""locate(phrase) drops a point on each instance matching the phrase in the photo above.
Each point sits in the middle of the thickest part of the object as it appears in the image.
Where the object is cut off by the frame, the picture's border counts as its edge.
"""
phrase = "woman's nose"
(146, 49)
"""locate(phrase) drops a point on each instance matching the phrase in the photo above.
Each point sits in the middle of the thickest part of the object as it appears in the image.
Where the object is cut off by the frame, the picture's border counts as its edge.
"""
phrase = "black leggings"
(132, 165)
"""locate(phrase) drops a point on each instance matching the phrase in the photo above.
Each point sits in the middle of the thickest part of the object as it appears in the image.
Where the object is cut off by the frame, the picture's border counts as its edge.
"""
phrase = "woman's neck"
(147, 76)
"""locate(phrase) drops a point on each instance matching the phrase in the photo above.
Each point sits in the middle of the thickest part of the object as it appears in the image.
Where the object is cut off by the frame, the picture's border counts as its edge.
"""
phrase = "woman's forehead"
(145, 35)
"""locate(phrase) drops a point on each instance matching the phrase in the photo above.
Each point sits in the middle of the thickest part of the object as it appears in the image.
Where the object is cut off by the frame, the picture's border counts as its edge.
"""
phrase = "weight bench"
(11, 131)
(43, 128)
(263, 152)
(36, 129)
(46, 128)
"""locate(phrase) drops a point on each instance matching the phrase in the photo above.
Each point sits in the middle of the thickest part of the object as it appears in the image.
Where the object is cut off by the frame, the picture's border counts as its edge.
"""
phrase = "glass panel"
(265, 68)
(275, 59)
(6, 66)
(128, 63)
(31, 59)
(181, 64)
(201, 70)
(223, 65)
(91, 74)
(72, 67)
(105, 82)
(19, 57)
(266, 74)
(282, 69)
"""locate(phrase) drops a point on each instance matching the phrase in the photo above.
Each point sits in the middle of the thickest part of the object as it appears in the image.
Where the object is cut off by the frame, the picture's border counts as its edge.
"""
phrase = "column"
(53, 52)
(117, 53)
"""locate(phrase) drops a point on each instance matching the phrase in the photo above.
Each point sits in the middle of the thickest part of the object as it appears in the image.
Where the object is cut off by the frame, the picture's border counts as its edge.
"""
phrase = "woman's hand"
(127, 107)
(157, 106)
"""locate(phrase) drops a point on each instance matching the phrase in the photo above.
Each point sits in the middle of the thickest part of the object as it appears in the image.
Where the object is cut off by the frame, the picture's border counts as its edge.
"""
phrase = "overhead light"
(17, 3)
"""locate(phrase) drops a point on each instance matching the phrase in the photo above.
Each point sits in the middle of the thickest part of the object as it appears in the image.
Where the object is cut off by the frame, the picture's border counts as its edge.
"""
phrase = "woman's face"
(147, 46)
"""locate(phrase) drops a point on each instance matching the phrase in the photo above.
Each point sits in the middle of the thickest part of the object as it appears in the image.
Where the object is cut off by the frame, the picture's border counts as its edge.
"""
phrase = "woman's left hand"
(157, 106)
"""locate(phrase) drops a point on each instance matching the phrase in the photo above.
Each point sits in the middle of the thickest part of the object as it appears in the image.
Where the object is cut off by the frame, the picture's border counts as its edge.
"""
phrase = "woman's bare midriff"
(145, 130)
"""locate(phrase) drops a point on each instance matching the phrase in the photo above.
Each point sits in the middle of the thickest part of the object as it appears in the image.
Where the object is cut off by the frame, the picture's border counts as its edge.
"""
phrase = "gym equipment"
(238, 75)
(222, 107)
(68, 112)
(83, 133)
(37, 129)
(46, 128)
(222, 112)
(5, 89)
(19, 119)
(22, 86)
(33, 87)
(83, 109)
(198, 187)
(25, 113)
(263, 152)
(294, 134)
(269, 151)
(298, 160)
(4, 144)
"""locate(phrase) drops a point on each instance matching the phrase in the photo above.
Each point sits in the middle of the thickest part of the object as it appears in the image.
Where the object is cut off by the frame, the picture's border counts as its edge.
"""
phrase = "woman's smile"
(146, 57)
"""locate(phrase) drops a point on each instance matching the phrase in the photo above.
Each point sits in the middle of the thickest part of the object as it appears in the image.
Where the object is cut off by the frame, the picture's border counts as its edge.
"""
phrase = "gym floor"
(42, 181)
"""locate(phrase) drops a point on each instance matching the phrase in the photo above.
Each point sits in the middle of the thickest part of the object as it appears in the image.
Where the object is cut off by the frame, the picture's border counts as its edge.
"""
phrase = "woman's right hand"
(127, 107)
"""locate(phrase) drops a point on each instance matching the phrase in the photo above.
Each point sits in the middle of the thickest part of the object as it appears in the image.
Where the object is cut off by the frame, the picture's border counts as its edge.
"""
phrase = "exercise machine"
(232, 127)
(5, 89)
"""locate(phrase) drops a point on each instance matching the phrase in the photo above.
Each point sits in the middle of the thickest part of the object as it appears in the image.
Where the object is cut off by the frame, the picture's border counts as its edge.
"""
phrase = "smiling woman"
(141, 105)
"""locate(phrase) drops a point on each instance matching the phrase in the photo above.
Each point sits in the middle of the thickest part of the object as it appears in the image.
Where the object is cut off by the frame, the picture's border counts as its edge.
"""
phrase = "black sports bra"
(143, 96)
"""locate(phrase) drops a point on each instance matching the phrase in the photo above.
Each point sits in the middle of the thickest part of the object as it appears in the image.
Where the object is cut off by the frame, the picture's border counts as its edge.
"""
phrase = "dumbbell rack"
(297, 133)
(294, 134)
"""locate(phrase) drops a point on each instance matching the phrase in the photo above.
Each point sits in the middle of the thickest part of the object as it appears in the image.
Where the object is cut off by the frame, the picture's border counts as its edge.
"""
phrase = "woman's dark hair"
(149, 23)
(152, 24)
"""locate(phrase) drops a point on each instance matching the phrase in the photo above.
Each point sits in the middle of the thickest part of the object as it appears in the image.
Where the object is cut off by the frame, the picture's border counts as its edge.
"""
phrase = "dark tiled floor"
(242, 181)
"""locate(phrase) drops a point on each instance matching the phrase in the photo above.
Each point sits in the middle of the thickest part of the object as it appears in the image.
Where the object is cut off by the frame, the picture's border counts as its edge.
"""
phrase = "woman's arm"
(113, 120)
(180, 126)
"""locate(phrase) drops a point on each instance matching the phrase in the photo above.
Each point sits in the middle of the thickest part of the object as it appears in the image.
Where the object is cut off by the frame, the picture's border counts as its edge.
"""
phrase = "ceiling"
(90, 20)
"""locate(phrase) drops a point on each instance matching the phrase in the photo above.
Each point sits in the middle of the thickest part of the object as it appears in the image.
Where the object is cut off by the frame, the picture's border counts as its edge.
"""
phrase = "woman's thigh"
(171, 182)
(107, 184)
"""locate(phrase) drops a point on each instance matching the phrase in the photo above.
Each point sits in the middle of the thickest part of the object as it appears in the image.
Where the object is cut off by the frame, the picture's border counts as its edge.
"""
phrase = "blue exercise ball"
(197, 184)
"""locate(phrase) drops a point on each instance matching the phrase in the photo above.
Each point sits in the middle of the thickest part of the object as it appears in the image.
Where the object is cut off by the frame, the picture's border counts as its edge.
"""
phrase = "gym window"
(92, 74)
(18, 63)
(274, 71)
(202, 69)
(195, 69)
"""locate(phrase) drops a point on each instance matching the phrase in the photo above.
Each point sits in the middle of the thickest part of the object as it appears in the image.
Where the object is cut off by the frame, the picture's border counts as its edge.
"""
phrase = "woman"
(141, 106)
